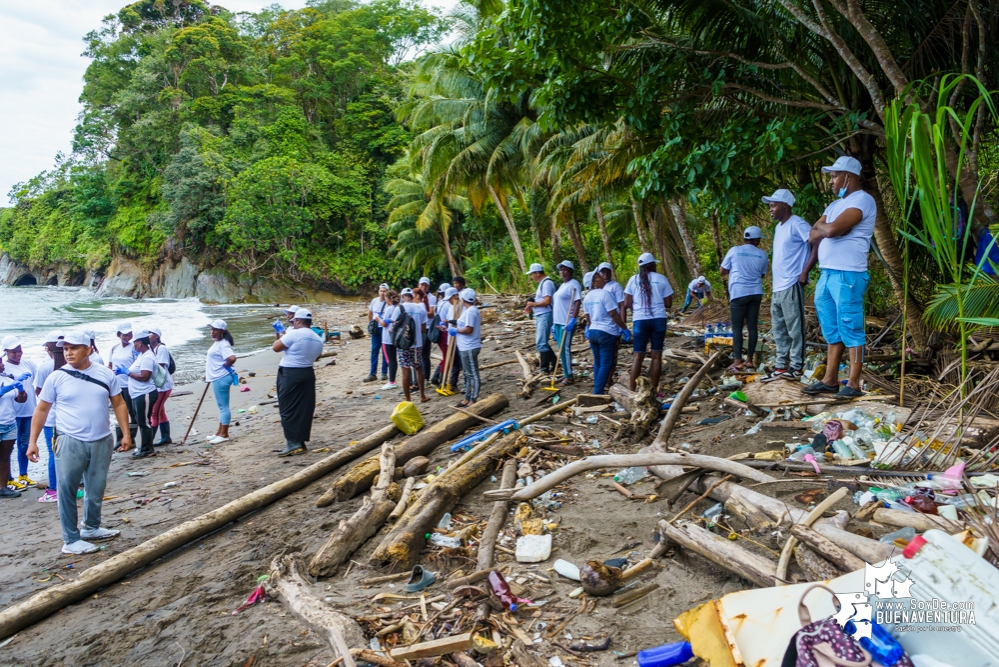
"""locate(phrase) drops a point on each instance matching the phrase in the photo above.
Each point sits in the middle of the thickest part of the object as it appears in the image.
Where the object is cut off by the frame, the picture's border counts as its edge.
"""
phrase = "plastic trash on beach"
(631, 475)
(407, 417)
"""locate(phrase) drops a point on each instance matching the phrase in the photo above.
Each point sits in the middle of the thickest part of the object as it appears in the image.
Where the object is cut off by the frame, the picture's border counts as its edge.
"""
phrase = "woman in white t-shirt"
(296, 381)
(222, 376)
(55, 361)
(604, 329)
(649, 296)
(123, 354)
(142, 390)
(159, 419)
(411, 360)
(388, 349)
(11, 393)
(468, 330)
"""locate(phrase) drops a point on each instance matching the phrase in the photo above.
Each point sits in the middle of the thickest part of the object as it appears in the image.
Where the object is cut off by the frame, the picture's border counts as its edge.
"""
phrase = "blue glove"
(387, 321)
(278, 327)
(24, 376)
(234, 374)
(571, 325)
(120, 370)
(452, 331)
(626, 335)
(8, 388)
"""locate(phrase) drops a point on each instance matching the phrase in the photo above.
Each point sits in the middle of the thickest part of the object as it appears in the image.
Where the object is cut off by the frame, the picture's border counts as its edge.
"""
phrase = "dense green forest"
(353, 142)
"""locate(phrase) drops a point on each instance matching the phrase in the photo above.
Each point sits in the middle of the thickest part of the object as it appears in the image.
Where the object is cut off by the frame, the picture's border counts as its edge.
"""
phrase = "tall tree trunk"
(537, 240)
(643, 242)
(447, 251)
(604, 236)
(556, 249)
(510, 227)
(884, 234)
(679, 211)
(716, 234)
(577, 242)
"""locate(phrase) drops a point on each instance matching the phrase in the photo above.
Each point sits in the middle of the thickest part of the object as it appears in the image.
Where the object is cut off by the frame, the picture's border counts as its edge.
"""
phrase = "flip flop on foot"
(819, 387)
(734, 368)
(463, 404)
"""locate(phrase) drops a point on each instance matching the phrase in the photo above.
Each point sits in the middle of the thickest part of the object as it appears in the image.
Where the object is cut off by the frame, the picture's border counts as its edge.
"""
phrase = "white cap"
(567, 264)
(11, 342)
(91, 333)
(535, 268)
(588, 280)
(449, 292)
(124, 327)
(468, 294)
(646, 258)
(444, 287)
(844, 163)
(156, 330)
(303, 314)
(141, 333)
(291, 309)
(406, 291)
(753, 232)
(424, 281)
(384, 286)
(54, 336)
(74, 338)
(218, 324)
(781, 196)
(701, 279)
(604, 265)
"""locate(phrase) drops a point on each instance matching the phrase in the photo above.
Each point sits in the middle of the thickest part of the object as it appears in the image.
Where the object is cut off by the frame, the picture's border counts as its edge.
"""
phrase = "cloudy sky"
(41, 76)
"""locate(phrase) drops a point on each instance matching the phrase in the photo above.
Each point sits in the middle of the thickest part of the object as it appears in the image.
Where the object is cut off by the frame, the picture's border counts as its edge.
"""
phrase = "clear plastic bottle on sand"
(631, 475)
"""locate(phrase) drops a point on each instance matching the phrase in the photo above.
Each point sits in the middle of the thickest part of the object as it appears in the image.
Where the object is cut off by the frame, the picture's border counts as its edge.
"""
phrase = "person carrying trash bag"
(649, 296)
(296, 380)
(605, 327)
(222, 376)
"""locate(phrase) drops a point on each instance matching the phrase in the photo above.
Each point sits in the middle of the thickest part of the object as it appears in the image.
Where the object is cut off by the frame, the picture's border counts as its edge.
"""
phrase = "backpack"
(404, 330)
(159, 376)
(373, 323)
(171, 367)
(433, 333)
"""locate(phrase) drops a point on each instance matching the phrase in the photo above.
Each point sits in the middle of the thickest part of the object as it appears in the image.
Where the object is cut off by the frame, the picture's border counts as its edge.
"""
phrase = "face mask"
(841, 193)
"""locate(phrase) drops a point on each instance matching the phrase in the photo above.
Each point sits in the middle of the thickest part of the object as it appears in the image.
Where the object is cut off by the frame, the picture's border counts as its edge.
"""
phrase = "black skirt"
(296, 392)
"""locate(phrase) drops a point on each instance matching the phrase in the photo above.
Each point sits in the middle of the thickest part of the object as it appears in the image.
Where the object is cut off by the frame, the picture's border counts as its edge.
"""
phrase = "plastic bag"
(407, 417)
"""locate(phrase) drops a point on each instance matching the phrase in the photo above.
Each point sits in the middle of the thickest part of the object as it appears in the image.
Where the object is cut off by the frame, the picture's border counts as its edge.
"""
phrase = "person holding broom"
(296, 381)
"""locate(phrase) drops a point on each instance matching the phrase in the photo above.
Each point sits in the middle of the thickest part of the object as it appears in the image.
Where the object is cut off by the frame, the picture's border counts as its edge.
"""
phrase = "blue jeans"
(88, 461)
(603, 346)
(48, 430)
(648, 333)
(376, 352)
(542, 329)
(839, 303)
(689, 298)
(557, 331)
(220, 389)
(23, 432)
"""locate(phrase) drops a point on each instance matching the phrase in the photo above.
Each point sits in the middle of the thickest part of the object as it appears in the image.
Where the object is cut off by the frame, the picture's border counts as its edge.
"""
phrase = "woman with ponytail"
(649, 296)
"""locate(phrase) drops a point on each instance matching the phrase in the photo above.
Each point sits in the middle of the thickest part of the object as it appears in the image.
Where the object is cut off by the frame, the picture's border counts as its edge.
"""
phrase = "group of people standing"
(405, 325)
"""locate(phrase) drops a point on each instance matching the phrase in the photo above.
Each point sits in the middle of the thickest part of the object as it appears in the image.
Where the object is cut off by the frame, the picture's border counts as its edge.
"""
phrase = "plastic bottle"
(842, 451)
(800, 454)
(502, 591)
(921, 503)
(950, 478)
(884, 648)
(895, 493)
(905, 534)
(631, 475)
(666, 655)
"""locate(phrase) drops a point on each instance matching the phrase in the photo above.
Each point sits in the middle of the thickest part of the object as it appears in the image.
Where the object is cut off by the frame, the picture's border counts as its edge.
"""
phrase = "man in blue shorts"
(843, 238)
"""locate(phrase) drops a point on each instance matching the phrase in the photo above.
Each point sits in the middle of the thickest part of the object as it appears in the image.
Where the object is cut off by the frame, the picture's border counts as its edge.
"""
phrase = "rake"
(452, 345)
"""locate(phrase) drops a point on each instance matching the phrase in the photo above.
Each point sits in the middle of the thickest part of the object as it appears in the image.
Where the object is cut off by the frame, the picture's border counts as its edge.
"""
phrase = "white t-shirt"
(45, 369)
(849, 252)
(391, 313)
(217, 354)
(144, 362)
(27, 408)
(304, 347)
(791, 252)
(641, 310)
(96, 358)
(7, 403)
(615, 290)
(694, 287)
(122, 356)
(560, 302)
(747, 265)
(81, 407)
(470, 318)
(375, 307)
(162, 355)
(432, 300)
(444, 310)
(597, 304)
(545, 288)
(419, 314)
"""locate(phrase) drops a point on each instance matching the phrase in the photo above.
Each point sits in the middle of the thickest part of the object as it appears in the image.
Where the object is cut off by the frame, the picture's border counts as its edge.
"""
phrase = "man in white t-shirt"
(378, 306)
(541, 307)
(468, 330)
(411, 360)
(697, 289)
(745, 266)
(22, 371)
(81, 393)
(791, 257)
(843, 236)
(296, 381)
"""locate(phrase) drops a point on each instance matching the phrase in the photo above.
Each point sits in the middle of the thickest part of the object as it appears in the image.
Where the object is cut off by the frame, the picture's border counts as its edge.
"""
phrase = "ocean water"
(32, 312)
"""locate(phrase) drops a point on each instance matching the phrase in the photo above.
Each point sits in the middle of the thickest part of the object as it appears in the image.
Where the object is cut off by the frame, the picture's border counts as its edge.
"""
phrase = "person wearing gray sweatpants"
(793, 258)
(81, 393)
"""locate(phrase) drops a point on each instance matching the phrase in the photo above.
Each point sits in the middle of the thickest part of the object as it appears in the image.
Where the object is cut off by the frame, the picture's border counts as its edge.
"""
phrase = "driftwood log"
(359, 478)
(921, 522)
(365, 522)
(340, 631)
(832, 552)
(487, 544)
(730, 555)
(807, 520)
(565, 473)
(44, 603)
(642, 405)
(400, 508)
(531, 380)
(815, 567)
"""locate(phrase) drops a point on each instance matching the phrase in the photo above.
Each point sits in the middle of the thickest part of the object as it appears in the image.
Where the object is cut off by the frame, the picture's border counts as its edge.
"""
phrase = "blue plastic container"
(666, 655)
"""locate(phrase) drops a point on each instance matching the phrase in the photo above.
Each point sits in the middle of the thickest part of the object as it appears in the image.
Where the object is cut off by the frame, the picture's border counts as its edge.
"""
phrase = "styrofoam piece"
(534, 548)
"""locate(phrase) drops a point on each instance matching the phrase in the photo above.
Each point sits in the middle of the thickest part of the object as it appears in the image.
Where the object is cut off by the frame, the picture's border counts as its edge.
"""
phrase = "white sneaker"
(390, 385)
(79, 548)
(216, 439)
(99, 533)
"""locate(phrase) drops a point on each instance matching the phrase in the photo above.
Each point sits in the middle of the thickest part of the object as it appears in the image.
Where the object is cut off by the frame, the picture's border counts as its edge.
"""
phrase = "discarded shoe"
(293, 448)
(99, 533)
(79, 548)
(419, 579)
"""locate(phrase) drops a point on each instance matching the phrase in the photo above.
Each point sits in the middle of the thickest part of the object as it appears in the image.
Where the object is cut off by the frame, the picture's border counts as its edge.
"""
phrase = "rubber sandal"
(419, 579)
(733, 369)
(847, 391)
(819, 387)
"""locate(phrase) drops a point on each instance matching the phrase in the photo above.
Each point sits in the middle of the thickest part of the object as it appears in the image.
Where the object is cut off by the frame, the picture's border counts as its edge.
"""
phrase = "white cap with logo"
(406, 292)
(701, 280)
(218, 324)
(535, 268)
(844, 163)
(780, 196)
(753, 232)
(646, 258)
(384, 286)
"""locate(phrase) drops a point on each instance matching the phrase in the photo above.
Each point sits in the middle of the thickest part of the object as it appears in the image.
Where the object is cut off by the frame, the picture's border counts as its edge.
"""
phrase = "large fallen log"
(359, 478)
(813, 565)
(921, 522)
(832, 552)
(565, 473)
(807, 520)
(730, 555)
(340, 631)
(22, 614)
(487, 544)
(365, 522)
